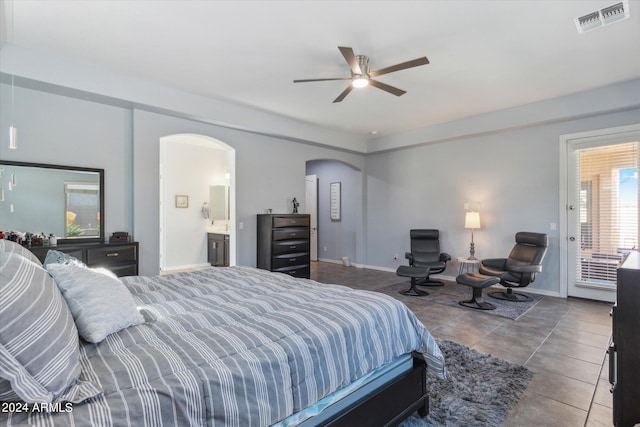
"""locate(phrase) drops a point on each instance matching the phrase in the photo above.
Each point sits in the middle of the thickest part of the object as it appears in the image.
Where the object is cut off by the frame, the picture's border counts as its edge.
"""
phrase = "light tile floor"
(563, 341)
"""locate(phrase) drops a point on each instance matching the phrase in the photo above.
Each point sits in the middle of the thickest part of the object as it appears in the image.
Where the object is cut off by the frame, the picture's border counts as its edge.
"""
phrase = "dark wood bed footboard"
(390, 403)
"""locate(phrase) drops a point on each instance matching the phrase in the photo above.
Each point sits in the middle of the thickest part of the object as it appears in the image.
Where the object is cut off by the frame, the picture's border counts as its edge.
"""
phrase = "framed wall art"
(182, 201)
(335, 195)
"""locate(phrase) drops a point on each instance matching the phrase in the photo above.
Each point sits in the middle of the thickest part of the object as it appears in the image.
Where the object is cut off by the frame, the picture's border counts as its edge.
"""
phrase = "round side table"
(467, 265)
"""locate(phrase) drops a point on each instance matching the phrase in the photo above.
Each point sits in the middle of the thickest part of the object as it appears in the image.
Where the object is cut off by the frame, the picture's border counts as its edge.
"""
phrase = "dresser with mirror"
(66, 202)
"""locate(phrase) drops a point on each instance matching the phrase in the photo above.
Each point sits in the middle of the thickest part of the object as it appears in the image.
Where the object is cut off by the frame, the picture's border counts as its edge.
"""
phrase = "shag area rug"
(451, 293)
(479, 391)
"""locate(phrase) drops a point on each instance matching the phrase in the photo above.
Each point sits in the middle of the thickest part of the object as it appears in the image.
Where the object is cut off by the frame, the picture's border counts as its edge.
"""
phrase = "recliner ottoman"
(477, 282)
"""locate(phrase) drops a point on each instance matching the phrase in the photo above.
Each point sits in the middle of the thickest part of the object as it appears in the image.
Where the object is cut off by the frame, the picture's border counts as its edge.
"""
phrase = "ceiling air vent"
(602, 17)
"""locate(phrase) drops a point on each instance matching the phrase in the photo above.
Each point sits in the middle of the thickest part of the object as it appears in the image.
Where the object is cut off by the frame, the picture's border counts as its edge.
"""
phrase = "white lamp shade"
(472, 220)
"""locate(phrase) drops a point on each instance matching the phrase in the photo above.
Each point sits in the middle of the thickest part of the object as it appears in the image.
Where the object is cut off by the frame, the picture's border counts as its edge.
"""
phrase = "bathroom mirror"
(67, 201)
(218, 202)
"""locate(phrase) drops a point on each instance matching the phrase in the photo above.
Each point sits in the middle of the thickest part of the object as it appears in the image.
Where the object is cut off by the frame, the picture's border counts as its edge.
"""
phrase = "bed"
(232, 346)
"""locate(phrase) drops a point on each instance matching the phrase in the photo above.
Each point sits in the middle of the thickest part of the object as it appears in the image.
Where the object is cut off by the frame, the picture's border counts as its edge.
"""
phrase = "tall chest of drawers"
(624, 356)
(283, 244)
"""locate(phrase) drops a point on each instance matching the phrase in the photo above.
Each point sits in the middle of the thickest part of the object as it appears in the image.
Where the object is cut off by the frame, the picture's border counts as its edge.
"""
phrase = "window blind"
(608, 209)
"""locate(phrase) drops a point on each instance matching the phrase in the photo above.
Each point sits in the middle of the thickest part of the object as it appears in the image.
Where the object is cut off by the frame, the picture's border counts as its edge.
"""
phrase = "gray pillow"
(39, 345)
(59, 257)
(9, 246)
(100, 304)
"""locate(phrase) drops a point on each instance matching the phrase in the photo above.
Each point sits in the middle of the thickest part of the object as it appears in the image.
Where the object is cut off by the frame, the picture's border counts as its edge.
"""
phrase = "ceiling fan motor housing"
(363, 63)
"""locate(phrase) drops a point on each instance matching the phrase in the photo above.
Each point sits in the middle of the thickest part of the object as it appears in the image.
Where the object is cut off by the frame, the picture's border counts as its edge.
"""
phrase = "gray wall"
(66, 131)
(269, 173)
(510, 177)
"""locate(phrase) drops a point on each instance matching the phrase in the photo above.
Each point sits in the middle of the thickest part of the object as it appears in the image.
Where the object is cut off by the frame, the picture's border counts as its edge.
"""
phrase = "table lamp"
(472, 220)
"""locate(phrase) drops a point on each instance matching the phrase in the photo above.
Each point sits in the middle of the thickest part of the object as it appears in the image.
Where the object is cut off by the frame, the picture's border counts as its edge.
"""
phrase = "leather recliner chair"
(520, 268)
(425, 259)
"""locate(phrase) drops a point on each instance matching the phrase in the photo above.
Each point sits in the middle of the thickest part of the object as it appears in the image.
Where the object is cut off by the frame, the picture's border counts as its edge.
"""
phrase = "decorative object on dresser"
(283, 244)
(120, 237)
(120, 258)
(624, 357)
(218, 249)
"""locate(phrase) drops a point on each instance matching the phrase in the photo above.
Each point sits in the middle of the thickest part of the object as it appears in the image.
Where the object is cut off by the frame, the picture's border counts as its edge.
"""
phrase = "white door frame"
(567, 247)
(311, 207)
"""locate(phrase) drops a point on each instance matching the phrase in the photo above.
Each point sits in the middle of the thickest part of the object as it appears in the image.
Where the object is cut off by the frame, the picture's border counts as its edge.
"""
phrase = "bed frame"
(388, 405)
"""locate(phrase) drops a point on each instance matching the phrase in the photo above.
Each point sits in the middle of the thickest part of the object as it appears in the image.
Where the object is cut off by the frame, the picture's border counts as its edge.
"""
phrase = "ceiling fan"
(361, 76)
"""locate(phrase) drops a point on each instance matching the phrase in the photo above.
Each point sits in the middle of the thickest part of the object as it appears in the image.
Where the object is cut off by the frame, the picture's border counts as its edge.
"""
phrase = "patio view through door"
(602, 211)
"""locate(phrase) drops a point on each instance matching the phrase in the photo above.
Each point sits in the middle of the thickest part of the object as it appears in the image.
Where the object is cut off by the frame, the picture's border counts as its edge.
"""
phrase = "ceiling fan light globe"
(360, 82)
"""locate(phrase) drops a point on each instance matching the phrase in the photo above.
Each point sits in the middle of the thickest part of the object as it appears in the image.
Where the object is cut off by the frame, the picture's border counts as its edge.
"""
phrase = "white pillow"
(58, 257)
(100, 304)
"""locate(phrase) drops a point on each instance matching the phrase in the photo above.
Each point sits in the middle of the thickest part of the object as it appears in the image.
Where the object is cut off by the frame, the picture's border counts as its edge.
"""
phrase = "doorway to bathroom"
(197, 197)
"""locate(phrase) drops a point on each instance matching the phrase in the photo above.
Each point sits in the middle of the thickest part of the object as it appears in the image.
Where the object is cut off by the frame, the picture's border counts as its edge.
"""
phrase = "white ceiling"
(485, 55)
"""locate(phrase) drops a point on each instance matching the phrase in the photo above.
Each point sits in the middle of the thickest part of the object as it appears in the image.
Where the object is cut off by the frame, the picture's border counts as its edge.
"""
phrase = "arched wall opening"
(197, 186)
(344, 237)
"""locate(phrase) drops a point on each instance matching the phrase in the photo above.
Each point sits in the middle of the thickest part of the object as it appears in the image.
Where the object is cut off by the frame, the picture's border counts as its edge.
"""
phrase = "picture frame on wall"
(335, 196)
(182, 201)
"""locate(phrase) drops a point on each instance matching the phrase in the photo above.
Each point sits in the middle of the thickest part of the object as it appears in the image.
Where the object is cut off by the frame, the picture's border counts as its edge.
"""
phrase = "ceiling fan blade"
(398, 67)
(387, 88)
(321, 80)
(343, 94)
(350, 57)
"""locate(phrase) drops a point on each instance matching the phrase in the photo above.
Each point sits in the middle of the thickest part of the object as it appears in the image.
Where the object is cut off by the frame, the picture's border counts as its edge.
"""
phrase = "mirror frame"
(100, 172)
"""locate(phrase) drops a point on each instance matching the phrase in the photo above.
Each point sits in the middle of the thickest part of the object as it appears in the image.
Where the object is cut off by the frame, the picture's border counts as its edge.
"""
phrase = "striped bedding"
(237, 346)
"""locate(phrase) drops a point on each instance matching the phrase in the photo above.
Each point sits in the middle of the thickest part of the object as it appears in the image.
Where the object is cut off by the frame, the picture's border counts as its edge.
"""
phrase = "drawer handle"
(292, 259)
(293, 221)
(293, 234)
(113, 254)
(293, 247)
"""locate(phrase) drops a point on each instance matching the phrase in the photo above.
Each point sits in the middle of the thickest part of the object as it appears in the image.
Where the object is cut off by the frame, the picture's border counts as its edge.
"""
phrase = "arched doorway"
(343, 236)
(193, 169)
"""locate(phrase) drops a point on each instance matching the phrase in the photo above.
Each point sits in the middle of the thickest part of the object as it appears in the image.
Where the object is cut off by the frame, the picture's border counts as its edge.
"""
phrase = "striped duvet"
(236, 346)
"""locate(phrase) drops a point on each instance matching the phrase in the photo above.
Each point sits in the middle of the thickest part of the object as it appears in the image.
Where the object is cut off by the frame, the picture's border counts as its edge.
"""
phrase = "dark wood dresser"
(121, 258)
(283, 244)
(624, 350)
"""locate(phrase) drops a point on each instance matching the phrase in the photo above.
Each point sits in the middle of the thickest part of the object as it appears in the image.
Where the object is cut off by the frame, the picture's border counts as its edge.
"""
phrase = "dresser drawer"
(111, 255)
(290, 233)
(302, 221)
(303, 271)
(289, 246)
(289, 260)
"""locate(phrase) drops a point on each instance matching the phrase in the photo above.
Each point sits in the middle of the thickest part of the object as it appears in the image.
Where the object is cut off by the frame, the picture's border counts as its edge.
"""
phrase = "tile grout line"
(546, 338)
